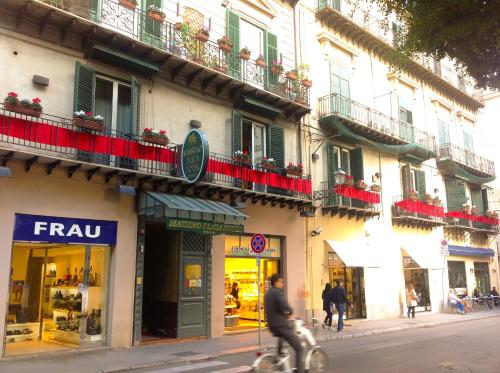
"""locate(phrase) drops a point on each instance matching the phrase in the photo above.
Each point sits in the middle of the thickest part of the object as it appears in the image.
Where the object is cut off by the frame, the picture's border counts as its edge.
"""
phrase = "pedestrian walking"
(411, 300)
(339, 298)
(327, 305)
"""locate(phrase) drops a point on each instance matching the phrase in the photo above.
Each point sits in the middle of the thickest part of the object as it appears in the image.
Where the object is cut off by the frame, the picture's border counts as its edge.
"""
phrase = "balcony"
(456, 161)
(56, 142)
(417, 213)
(480, 224)
(347, 201)
(176, 52)
(359, 123)
(376, 34)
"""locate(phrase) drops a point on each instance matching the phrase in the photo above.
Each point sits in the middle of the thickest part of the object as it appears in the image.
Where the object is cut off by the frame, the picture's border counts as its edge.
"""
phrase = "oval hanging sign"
(194, 156)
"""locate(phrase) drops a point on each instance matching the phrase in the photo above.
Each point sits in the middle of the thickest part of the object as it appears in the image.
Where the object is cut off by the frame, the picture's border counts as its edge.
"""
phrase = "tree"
(466, 31)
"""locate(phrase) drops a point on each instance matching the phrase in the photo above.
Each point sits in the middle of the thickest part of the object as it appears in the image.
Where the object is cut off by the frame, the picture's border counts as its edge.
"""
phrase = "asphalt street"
(456, 348)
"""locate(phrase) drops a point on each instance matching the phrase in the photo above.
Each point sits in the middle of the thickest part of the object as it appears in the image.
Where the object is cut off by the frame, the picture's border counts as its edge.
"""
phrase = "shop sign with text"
(194, 156)
(38, 228)
(205, 227)
(240, 247)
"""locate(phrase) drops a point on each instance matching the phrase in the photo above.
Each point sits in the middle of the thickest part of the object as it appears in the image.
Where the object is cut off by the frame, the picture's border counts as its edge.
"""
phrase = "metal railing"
(58, 137)
(420, 208)
(332, 199)
(334, 104)
(182, 41)
(466, 158)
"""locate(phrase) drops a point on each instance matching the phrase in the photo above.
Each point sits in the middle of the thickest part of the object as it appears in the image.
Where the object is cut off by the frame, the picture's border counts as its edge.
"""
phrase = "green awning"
(116, 58)
(260, 108)
(193, 214)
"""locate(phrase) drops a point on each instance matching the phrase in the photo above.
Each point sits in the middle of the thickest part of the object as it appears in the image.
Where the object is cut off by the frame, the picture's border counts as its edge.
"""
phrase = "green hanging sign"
(204, 227)
(194, 156)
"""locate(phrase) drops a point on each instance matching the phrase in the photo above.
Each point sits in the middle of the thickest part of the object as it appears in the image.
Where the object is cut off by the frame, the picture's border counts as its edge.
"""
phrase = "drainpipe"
(296, 41)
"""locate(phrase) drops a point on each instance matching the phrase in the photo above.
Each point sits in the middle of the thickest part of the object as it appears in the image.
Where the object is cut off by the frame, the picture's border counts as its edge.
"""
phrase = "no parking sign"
(258, 243)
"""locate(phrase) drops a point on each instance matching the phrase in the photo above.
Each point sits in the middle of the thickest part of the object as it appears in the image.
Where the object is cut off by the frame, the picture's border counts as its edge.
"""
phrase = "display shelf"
(33, 326)
(68, 337)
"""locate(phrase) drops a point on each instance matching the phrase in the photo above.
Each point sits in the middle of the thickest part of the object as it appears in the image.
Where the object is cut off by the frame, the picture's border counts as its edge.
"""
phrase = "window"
(254, 140)
(341, 160)
(406, 119)
(456, 274)
(443, 132)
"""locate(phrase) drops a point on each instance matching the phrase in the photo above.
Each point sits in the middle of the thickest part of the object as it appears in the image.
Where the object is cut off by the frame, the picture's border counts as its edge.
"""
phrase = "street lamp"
(339, 176)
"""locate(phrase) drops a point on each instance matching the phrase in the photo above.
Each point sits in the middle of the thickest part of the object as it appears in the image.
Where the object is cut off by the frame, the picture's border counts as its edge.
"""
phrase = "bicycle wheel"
(265, 364)
(317, 361)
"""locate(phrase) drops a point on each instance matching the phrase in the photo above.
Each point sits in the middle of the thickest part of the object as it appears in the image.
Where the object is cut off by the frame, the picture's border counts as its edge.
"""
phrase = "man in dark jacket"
(277, 313)
(339, 298)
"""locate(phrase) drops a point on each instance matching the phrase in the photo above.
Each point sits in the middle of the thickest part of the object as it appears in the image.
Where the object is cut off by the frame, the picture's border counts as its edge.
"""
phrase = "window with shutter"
(357, 171)
(485, 197)
(276, 142)
(477, 199)
(469, 149)
(152, 31)
(233, 33)
(331, 165)
(443, 132)
(84, 89)
(461, 194)
(236, 132)
(94, 11)
(451, 194)
(406, 180)
(271, 54)
(420, 183)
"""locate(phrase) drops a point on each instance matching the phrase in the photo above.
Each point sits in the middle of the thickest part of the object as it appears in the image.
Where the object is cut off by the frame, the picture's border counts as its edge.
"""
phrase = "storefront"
(58, 293)
(242, 279)
(419, 277)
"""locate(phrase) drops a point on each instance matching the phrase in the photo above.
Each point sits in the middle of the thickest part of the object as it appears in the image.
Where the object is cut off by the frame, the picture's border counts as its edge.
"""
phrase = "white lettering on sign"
(58, 229)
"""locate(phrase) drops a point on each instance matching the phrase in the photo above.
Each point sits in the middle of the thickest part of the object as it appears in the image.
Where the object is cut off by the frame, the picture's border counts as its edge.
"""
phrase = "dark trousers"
(411, 311)
(340, 309)
(328, 318)
(288, 335)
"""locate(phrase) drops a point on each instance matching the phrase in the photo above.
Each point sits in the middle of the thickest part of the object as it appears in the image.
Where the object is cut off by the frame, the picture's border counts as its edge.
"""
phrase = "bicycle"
(316, 360)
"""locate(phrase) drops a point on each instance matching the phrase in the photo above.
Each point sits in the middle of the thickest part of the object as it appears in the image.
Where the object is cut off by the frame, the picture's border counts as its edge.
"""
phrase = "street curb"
(334, 337)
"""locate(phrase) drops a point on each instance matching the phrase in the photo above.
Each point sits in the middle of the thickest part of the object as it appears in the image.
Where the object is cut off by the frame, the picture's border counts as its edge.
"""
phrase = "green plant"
(245, 50)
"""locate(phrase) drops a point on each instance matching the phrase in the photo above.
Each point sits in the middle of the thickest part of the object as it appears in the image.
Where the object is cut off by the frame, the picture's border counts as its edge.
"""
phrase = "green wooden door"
(420, 184)
(271, 54)
(406, 181)
(357, 172)
(233, 33)
(152, 31)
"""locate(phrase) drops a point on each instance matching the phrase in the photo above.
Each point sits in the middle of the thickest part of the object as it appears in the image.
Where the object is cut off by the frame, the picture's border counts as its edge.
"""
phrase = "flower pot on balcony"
(155, 140)
(156, 16)
(437, 202)
(243, 161)
(429, 200)
(268, 166)
(260, 62)
(291, 75)
(203, 36)
(127, 4)
(22, 109)
(276, 70)
(413, 197)
(245, 56)
(88, 124)
(349, 181)
(376, 188)
(225, 47)
(294, 172)
(178, 26)
(307, 83)
(360, 184)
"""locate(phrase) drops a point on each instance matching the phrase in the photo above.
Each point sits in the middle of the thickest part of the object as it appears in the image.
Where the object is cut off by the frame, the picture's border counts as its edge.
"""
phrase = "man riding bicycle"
(277, 313)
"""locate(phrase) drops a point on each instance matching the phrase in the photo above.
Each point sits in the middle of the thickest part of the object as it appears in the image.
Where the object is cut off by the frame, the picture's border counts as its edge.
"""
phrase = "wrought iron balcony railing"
(59, 138)
(180, 40)
(407, 210)
(375, 121)
(467, 159)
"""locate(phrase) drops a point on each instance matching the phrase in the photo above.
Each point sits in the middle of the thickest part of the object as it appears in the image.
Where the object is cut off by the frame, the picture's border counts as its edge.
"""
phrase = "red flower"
(245, 152)
(88, 113)
(36, 100)
(162, 132)
(12, 94)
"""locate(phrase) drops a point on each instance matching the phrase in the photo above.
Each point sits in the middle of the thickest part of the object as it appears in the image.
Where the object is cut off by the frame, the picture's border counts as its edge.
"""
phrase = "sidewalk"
(115, 360)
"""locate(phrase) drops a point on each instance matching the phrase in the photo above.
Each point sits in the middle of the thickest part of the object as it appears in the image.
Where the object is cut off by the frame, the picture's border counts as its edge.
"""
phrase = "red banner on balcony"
(470, 217)
(62, 137)
(420, 207)
(360, 194)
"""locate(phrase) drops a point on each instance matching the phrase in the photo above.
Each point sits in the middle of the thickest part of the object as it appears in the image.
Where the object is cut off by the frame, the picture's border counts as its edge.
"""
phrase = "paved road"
(469, 347)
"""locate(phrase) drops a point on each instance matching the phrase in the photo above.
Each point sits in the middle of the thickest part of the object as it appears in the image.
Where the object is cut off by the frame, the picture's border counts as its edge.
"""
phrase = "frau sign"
(64, 230)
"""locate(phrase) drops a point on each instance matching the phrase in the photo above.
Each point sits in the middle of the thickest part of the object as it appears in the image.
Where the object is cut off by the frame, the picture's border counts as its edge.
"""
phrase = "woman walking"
(327, 304)
(411, 300)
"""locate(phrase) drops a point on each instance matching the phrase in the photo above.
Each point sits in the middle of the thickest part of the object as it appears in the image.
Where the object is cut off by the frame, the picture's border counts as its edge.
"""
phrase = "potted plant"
(26, 105)
(492, 214)
(155, 13)
(225, 44)
(437, 201)
(241, 157)
(294, 169)
(158, 137)
(276, 67)
(466, 208)
(360, 184)
(129, 4)
(268, 163)
(302, 75)
(260, 61)
(306, 82)
(376, 188)
(203, 34)
(429, 199)
(475, 210)
(349, 180)
(245, 54)
(292, 74)
(413, 195)
(87, 120)
(181, 25)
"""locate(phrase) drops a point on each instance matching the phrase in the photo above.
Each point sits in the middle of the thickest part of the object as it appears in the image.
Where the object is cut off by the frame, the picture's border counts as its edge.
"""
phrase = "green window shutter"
(135, 105)
(151, 30)
(477, 199)
(409, 116)
(443, 132)
(485, 198)
(233, 33)
(406, 180)
(94, 10)
(276, 144)
(468, 142)
(461, 195)
(357, 171)
(84, 90)
(236, 132)
(451, 194)
(330, 164)
(420, 179)
(271, 51)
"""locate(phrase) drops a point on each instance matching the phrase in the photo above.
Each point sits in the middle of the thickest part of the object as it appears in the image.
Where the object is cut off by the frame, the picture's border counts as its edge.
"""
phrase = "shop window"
(482, 275)
(57, 298)
(419, 277)
(456, 274)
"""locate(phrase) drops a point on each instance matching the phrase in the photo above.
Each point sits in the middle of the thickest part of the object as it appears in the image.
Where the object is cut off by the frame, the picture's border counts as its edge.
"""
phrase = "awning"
(260, 108)
(128, 62)
(193, 214)
(424, 257)
(470, 251)
(356, 254)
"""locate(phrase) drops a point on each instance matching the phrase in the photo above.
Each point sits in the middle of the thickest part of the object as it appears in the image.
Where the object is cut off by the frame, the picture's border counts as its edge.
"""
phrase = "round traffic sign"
(258, 243)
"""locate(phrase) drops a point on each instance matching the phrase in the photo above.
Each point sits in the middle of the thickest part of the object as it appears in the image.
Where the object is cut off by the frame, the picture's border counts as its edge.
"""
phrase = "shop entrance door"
(419, 277)
(482, 277)
(354, 284)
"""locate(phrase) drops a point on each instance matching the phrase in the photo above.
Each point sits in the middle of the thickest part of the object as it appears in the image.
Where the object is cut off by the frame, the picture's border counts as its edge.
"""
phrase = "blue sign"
(64, 230)
(258, 243)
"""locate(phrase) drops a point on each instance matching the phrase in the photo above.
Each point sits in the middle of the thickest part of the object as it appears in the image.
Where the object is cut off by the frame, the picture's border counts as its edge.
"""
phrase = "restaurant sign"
(204, 227)
(194, 156)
